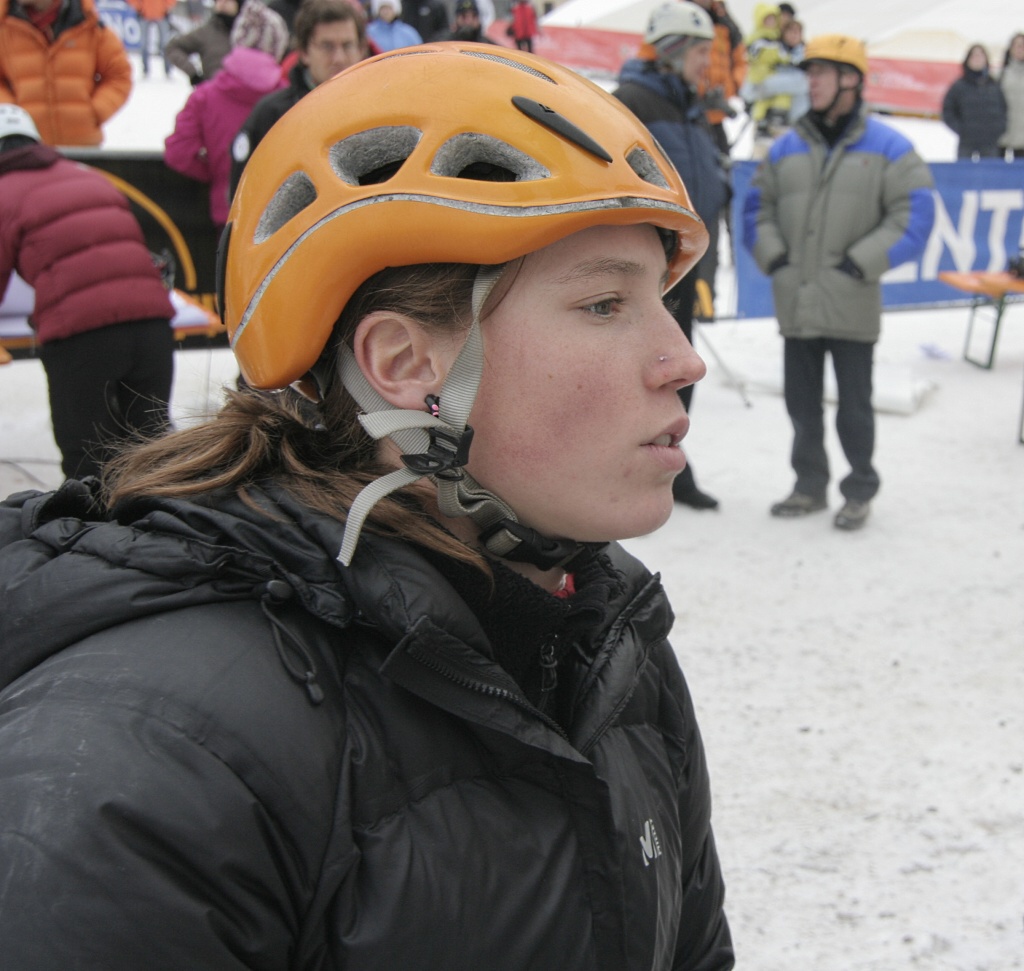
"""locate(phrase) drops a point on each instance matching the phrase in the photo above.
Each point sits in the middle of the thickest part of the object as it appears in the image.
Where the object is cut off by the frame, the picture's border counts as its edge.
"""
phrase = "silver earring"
(663, 358)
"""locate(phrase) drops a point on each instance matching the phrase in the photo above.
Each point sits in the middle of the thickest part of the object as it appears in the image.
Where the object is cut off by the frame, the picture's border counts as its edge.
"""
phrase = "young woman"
(201, 145)
(1011, 82)
(974, 107)
(358, 678)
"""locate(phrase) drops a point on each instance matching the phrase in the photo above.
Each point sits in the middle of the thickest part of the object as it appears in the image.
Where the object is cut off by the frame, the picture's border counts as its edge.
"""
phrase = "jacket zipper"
(548, 671)
(482, 687)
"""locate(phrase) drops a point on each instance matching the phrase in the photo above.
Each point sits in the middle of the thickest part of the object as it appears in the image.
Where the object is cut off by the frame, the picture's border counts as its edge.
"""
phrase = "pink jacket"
(200, 145)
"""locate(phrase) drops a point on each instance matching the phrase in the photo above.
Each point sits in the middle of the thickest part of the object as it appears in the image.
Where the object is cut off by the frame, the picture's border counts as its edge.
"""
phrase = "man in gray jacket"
(839, 200)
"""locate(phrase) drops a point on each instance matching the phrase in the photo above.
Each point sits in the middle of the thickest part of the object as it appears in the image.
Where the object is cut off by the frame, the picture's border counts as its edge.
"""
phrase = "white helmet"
(679, 18)
(17, 121)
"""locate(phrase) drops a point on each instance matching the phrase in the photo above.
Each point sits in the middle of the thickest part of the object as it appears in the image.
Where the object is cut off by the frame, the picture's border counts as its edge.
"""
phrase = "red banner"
(907, 86)
(587, 49)
(912, 87)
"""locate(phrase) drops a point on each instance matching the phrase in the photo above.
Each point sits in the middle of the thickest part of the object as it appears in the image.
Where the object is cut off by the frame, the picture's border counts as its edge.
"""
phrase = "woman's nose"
(676, 362)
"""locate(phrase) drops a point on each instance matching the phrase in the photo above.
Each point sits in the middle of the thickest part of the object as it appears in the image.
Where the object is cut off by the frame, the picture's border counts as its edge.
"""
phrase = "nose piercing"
(663, 358)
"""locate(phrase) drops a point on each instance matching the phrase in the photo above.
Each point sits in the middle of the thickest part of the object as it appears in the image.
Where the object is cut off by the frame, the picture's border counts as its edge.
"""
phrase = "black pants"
(855, 418)
(681, 300)
(106, 384)
(707, 268)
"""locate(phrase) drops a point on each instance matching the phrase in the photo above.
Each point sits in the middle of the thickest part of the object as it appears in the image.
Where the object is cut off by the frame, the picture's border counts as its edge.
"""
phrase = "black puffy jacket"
(975, 108)
(219, 749)
(263, 117)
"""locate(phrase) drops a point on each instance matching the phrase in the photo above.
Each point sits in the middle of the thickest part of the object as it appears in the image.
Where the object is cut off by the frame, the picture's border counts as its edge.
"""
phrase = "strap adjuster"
(445, 457)
(541, 551)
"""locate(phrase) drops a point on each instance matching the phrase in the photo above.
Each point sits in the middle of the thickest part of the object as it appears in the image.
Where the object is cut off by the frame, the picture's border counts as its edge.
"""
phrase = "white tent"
(932, 45)
(626, 16)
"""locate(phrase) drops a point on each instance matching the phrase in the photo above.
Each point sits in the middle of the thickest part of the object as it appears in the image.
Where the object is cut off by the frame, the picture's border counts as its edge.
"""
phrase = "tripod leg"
(741, 386)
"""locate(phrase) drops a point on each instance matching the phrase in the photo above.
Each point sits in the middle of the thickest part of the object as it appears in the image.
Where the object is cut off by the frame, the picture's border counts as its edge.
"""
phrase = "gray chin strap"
(437, 446)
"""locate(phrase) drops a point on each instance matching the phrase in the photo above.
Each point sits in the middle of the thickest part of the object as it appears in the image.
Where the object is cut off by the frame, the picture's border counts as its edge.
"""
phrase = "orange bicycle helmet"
(460, 153)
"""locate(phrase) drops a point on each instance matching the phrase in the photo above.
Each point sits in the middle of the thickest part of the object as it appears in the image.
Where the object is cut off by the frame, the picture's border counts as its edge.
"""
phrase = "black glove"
(778, 263)
(196, 79)
(850, 268)
(715, 100)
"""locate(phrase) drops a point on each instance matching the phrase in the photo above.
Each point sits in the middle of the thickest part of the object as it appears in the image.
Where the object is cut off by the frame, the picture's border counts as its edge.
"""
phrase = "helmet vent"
(508, 62)
(295, 193)
(645, 166)
(373, 156)
(484, 158)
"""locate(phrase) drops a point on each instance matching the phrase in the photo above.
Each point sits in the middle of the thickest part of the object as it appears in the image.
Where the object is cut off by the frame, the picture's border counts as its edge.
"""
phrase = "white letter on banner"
(904, 273)
(960, 240)
(1000, 202)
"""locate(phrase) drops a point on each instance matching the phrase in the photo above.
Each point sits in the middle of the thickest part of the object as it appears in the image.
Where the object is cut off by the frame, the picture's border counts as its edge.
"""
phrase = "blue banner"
(979, 224)
(122, 20)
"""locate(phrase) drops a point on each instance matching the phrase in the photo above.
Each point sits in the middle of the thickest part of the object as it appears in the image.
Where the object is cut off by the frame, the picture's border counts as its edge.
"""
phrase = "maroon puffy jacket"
(71, 235)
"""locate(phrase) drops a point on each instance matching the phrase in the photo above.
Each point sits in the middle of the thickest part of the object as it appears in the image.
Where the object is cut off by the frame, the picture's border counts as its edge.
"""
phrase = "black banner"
(172, 209)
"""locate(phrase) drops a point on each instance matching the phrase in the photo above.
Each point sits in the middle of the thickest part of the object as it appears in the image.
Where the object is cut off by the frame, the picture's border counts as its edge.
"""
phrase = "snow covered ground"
(861, 695)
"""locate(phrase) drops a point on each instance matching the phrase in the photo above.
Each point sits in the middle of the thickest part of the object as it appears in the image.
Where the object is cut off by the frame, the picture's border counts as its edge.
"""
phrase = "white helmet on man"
(679, 18)
(17, 121)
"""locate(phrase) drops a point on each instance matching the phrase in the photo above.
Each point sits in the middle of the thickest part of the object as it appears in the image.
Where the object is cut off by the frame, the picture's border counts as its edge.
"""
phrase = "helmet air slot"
(484, 158)
(373, 156)
(295, 193)
(645, 166)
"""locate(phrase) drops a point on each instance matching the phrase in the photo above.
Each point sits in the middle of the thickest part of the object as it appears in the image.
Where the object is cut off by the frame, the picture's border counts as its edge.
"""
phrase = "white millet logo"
(649, 843)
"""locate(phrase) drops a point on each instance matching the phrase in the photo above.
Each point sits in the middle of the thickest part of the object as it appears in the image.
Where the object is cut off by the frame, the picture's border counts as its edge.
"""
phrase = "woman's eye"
(603, 308)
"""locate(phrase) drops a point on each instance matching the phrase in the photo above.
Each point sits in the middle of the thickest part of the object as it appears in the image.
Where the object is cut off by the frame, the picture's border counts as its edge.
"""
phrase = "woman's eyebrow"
(602, 267)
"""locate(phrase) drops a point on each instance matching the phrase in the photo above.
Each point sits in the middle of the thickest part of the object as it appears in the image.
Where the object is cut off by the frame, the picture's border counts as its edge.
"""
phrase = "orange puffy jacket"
(726, 69)
(152, 9)
(69, 86)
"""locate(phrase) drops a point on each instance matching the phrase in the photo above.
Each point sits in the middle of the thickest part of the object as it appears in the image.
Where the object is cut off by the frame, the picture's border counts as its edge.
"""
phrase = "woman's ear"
(402, 361)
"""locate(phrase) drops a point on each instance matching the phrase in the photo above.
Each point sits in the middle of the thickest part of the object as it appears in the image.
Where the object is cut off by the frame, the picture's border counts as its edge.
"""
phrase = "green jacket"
(866, 204)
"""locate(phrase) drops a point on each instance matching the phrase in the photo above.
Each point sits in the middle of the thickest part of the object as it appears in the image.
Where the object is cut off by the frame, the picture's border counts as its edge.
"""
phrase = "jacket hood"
(640, 71)
(68, 570)
(761, 12)
(251, 70)
(36, 156)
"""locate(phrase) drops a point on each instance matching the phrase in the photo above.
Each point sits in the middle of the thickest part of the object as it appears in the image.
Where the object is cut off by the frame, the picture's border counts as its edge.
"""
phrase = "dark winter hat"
(467, 6)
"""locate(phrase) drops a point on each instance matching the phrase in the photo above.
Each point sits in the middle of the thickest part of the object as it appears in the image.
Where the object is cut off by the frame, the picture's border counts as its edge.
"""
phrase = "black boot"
(686, 493)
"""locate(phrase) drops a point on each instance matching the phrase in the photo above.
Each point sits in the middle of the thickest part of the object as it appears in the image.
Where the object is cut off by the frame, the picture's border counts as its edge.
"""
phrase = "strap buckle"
(445, 456)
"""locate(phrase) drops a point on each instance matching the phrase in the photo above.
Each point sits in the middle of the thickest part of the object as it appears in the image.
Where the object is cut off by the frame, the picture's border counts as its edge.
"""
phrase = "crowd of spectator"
(251, 61)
